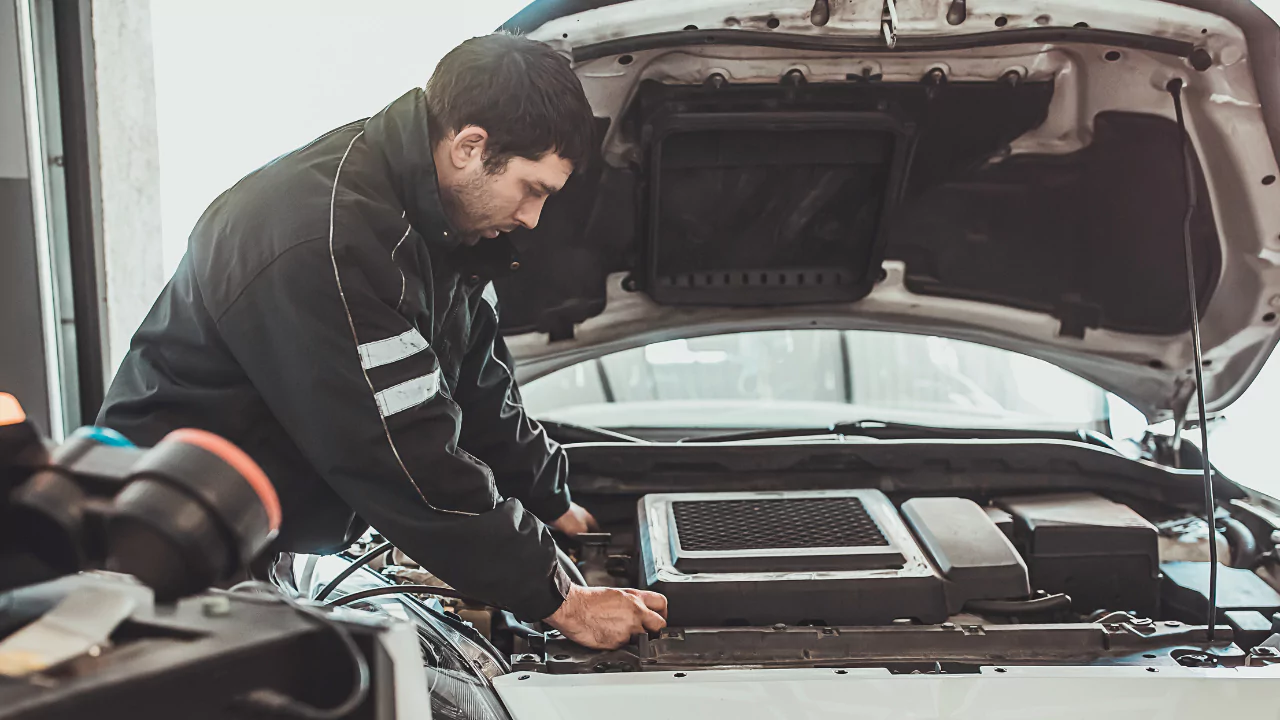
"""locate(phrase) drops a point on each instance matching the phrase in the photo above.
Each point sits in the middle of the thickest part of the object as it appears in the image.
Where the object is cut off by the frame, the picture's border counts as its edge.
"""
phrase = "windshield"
(813, 378)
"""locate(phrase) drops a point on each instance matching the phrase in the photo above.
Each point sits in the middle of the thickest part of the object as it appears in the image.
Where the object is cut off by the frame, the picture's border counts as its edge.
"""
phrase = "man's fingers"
(645, 602)
(656, 602)
(652, 621)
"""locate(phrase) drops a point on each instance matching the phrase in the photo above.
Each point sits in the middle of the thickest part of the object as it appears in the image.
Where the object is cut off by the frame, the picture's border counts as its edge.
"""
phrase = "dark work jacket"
(326, 319)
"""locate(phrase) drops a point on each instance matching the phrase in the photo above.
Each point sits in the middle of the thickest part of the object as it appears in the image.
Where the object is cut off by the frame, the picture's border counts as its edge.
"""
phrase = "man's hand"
(575, 521)
(605, 618)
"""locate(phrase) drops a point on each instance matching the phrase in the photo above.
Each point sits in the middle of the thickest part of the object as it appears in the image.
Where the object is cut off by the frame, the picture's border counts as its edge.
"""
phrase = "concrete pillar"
(129, 163)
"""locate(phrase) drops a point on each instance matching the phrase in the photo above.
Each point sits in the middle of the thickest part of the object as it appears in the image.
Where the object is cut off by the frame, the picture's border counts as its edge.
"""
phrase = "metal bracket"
(528, 662)
(889, 24)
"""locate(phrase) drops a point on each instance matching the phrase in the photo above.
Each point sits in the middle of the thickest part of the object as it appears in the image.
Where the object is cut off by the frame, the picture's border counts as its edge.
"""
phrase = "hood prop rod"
(1175, 89)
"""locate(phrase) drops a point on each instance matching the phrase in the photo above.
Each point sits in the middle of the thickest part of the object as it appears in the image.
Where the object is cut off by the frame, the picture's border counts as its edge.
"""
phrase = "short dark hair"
(521, 91)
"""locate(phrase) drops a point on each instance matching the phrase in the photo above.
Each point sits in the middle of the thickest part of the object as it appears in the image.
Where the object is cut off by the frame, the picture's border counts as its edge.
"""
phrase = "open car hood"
(1007, 173)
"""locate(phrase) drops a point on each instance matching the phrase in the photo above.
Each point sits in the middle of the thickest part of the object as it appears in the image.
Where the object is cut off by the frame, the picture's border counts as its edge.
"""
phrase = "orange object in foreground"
(240, 462)
(11, 412)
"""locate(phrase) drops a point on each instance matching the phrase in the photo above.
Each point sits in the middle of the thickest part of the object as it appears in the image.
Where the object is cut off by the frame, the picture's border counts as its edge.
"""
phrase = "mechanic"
(334, 317)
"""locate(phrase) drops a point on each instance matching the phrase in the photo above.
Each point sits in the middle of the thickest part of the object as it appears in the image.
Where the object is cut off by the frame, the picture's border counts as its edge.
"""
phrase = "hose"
(354, 566)
(1057, 601)
(575, 576)
(403, 590)
(570, 568)
(1244, 546)
(275, 702)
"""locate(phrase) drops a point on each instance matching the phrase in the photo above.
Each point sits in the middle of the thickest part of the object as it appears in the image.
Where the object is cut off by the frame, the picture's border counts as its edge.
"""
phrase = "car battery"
(1101, 553)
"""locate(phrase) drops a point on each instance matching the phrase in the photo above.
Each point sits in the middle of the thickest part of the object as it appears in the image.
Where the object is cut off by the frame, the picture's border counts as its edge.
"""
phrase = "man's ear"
(468, 146)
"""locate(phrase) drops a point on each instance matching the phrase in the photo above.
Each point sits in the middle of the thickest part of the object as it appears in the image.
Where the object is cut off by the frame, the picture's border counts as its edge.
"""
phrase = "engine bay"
(821, 576)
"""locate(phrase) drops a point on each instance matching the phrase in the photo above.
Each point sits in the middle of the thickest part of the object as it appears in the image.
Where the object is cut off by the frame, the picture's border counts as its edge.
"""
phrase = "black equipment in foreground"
(141, 632)
(218, 655)
(181, 516)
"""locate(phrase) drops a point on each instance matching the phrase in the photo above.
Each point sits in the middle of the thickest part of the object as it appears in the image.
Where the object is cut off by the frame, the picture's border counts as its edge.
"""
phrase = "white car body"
(1042, 693)
(1226, 119)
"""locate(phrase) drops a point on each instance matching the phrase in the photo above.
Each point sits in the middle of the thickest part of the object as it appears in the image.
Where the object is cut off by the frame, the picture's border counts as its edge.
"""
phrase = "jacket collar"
(398, 133)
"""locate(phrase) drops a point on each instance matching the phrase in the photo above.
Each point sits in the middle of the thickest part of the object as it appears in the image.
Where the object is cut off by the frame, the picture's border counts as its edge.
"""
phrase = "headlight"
(458, 671)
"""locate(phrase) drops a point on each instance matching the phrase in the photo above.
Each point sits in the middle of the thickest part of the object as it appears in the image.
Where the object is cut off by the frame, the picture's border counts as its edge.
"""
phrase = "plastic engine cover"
(841, 557)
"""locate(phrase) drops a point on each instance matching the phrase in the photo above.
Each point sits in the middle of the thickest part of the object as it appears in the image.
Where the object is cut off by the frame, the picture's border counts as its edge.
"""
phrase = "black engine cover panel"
(827, 557)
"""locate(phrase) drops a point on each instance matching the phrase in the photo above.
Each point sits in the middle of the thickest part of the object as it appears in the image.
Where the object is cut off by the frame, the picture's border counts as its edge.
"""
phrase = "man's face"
(482, 203)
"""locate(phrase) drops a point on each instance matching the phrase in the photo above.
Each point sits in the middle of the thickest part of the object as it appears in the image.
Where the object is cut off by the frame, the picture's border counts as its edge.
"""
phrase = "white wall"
(239, 82)
(129, 166)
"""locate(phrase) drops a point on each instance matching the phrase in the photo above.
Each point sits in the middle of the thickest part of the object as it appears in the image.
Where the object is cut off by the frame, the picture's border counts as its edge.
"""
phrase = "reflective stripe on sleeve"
(408, 394)
(385, 352)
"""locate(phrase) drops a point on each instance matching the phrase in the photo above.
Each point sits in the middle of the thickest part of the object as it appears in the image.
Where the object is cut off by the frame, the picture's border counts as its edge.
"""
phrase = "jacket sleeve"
(360, 392)
(526, 463)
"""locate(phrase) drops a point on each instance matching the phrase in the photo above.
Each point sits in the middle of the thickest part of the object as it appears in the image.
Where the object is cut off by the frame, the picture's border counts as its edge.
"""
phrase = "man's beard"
(468, 206)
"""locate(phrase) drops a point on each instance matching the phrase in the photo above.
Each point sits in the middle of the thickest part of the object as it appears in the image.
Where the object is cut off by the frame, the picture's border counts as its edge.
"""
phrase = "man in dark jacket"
(334, 317)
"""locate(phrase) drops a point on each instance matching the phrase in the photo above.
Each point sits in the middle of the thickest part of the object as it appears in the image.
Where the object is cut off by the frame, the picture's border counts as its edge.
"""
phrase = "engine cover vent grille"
(792, 531)
(780, 523)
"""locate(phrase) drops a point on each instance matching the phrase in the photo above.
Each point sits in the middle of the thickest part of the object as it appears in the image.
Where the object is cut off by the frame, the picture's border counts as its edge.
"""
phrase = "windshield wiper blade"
(884, 430)
(571, 433)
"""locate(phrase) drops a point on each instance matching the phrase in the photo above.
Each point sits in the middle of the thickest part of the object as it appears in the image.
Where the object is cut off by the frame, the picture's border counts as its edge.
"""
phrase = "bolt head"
(1265, 651)
(948, 626)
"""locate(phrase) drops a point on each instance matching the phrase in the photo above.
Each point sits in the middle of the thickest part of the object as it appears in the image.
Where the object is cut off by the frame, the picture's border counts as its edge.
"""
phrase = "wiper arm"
(572, 433)
(884, 430)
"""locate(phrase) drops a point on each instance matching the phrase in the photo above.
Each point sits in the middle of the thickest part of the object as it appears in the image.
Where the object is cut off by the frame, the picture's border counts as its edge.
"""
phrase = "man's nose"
(529, 213)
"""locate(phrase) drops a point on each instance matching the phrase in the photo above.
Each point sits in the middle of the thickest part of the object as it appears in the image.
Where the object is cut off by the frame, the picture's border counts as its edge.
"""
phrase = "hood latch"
(889, 24)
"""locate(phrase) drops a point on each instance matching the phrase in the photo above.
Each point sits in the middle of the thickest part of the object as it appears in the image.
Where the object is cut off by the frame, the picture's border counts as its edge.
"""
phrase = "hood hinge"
(889, 24)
